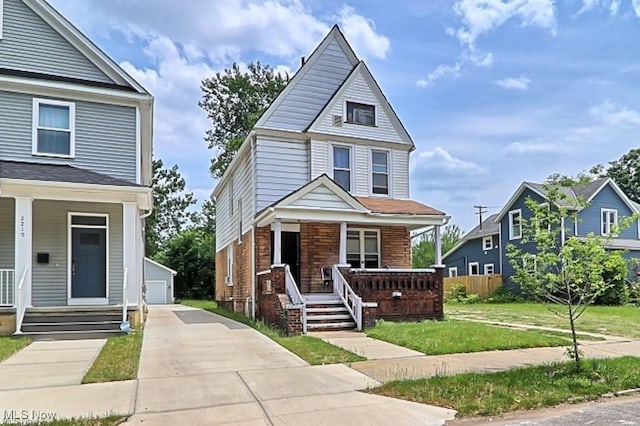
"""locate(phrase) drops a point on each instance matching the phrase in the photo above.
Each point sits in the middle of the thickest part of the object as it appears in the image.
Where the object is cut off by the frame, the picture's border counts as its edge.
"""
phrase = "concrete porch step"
(41, 327)
(72, 335)
(30, 318)
(331, 309)
(345, 325)
(333, 318)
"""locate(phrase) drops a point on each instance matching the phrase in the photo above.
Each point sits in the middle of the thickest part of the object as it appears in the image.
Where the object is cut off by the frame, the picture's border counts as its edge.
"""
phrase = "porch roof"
(393, 206)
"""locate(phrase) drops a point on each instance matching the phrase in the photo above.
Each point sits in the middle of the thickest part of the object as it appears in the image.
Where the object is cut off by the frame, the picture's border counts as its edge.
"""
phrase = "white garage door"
(156, 292)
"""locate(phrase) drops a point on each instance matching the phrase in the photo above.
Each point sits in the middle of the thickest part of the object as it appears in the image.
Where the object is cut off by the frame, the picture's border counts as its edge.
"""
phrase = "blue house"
(478, 253)
(483, 250)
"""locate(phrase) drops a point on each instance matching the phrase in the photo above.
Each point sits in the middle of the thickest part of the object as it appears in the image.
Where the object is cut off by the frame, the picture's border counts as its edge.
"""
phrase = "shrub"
(458, 292)
(505, 294)
(470, 299)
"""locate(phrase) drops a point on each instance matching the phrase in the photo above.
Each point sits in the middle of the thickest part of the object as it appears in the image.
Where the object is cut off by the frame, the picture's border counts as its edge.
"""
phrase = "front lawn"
(10, 345)
(118, 360)
(613, 320)
(312, 350)
(488, 394)
(106, 421)
(448, 337)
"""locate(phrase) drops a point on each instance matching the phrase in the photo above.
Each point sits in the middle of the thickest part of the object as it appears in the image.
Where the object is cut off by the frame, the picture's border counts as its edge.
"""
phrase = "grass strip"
(451, 336)
(105, 421)
(118, 360)
(312, 350)
(10, 345)
(489, 394)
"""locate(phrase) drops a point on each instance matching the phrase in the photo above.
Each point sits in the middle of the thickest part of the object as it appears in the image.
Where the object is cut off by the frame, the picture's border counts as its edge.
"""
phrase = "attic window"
(361, 114)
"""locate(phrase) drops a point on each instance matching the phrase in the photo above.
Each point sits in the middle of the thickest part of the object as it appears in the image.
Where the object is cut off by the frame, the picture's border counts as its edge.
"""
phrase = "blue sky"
(493, 92)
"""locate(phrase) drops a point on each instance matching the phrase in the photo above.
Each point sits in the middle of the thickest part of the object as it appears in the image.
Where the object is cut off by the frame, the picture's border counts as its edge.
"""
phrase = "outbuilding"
(158, 280)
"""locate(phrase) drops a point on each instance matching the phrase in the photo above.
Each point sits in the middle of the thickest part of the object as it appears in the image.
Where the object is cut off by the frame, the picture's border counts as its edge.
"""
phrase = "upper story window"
(53, 128)
(487, 242)
(380, 172)
(342, 166)
(515, 224)
(609, 219)
(361, 114)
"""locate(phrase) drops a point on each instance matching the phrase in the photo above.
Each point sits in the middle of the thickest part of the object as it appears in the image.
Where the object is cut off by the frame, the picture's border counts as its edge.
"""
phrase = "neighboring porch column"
(23, 245)
(342, 257)
(131, 259)
(438, 239)
(277, 242)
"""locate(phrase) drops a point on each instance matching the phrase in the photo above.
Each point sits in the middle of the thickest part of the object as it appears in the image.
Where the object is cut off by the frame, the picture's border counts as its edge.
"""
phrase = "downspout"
(253, 273)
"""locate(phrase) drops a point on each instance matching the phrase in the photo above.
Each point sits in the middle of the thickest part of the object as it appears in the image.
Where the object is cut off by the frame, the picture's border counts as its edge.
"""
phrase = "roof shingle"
(391, 206)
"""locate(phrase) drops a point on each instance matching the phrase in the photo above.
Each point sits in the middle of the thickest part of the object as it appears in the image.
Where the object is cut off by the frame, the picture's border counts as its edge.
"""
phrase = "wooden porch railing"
(7, 284)
(296, 297)
(23, 299)
(352, 301)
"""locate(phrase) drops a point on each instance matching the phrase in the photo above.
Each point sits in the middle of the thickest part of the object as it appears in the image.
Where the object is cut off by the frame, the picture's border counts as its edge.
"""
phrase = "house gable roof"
(159, 265)
(321, 188)
(361, 78)
(323, 72)
(83, 45)
(489, 227)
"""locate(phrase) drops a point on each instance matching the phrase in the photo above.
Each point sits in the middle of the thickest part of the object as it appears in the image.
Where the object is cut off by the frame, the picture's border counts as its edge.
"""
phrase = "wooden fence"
(482, 285)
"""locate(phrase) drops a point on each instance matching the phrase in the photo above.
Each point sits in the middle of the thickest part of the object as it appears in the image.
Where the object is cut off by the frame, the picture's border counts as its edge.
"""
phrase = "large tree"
(171, 203)
(424, 252)
(569, 276)
(234, 100)
(626, 173)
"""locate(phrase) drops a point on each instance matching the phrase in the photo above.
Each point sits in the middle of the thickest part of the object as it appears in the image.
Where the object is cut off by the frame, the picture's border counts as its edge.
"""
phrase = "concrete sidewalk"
(360, 344)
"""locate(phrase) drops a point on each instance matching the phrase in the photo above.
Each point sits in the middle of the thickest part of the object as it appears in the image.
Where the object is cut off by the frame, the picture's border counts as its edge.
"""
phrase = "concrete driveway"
(198, 368)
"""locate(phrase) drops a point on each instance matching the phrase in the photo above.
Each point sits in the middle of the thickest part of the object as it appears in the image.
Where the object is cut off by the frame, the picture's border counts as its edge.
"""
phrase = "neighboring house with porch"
(313, 213)
(605, 207)
(75, 170)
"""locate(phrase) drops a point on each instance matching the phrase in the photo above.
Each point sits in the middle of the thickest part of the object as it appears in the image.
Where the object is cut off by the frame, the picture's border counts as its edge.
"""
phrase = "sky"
(493, 92)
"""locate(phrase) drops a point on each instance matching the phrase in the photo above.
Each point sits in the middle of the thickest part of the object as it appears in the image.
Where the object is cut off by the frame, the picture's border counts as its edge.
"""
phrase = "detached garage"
(158, 280)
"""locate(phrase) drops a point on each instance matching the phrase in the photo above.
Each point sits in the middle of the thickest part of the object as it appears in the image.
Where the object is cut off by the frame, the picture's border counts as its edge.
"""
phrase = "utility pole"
(481, 209)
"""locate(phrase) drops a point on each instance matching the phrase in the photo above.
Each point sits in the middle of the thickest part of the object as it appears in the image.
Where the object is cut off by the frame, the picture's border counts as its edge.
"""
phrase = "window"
(515, 225)
(380, 172)
(342, 166)
(474, 268)
(489, 269)
(609, 219)
(453, 271)
(229, 278)
(530, 262)
(363, 248)
(361, 114)
(53, 128)
(487, 242)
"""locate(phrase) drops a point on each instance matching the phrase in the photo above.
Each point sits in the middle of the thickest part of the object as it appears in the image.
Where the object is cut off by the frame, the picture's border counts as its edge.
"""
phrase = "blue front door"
(88, 263)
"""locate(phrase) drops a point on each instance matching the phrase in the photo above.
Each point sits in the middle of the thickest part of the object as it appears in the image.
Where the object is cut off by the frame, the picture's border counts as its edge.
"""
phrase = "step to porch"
(69, 323)
(326, 311)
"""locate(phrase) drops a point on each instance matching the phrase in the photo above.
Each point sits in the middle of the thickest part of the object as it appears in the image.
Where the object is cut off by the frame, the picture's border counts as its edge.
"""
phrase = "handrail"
(7, 283)
(296, 297)
(22, 300)
(351, 300)
(124, 294)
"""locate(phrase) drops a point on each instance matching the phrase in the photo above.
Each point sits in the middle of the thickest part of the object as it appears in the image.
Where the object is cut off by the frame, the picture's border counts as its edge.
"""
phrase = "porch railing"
(7, 284)
(295, 295)
(351, 300)
(124, 295)
(23, 299)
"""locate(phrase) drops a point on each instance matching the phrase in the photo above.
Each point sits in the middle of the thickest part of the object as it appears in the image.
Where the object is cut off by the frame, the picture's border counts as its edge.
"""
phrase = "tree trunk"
(576, 354)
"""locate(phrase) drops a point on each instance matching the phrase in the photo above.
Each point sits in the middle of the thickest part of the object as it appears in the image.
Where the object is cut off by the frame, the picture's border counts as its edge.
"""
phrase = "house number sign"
(22, 233)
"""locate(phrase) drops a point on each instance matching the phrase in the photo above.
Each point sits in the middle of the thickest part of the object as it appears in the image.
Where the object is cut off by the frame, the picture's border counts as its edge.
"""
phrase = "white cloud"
(616, 115)
(534, 147)
(514, 83)
(361, 33)
(588, 5)
(439, 170)
(440, 71)
(636, 7)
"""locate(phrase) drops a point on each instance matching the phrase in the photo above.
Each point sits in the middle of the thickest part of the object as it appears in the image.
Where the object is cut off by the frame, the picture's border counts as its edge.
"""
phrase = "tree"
(626, 173)
(170, 214)
(566, 277)
(424, 252)
(234, 101)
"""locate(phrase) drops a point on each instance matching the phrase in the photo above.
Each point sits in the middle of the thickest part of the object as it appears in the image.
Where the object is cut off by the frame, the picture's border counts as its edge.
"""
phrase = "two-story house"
(319, 193)
(599, 205)
(75, 170)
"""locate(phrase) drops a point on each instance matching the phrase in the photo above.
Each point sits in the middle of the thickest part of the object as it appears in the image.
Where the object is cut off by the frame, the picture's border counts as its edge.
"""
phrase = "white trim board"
(36, 126)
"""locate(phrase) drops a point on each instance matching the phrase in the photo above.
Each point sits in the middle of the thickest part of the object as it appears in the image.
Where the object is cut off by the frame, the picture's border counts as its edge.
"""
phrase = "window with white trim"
(608, 219)
(453, 271)
(360, 114)
(229, 278)
(487, 242)
(474, 268)
(363, 248)
(380, 172)
(342, 166)
(530, 263)
(489, 269)
(515, 224)
(53, 128)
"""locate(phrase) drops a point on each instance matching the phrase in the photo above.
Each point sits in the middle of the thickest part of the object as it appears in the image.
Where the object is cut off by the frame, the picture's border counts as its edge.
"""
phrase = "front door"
(88, 268)
(290, 244)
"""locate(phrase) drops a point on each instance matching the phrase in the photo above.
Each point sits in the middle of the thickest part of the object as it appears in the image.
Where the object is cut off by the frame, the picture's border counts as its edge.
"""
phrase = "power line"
(481, 209)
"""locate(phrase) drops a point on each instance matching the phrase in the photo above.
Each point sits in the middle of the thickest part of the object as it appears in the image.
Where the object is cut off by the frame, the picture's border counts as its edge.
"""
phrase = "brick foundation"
(234, 297)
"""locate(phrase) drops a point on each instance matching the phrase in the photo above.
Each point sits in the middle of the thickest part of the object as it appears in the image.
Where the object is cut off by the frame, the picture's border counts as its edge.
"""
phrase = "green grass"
(520, 389)
(118, 360)
(448, 337)
(106, 421)
(10, 345)
(613, 320)
(312, 350)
